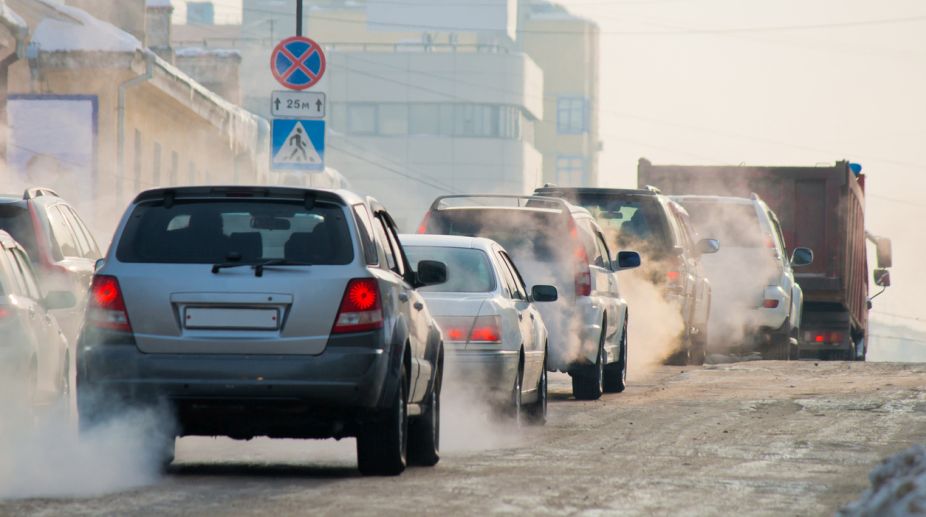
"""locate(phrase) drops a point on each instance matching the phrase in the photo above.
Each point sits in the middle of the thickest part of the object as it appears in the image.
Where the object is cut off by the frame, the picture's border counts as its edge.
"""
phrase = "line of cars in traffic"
(300, 313)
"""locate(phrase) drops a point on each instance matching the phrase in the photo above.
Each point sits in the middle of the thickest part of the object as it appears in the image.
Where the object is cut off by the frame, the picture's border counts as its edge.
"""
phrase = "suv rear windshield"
(527, 234)
(734, 225)
(629, 222)
(246, 231)
(16, 221)
(468, 270)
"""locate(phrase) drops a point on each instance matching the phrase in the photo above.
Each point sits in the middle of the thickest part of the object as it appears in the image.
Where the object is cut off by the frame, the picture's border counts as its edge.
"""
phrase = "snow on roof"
(213, 52)
(87, 34)
(10, 19)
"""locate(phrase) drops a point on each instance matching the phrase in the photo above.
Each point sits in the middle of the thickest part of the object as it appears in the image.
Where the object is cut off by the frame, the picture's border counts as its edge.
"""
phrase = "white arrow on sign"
(301, 105)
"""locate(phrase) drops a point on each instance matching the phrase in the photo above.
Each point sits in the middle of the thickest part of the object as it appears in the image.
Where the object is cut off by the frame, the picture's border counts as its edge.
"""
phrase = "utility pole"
(298, 17)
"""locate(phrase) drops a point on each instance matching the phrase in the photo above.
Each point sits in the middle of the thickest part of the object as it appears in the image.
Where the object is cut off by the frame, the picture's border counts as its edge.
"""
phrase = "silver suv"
(256, 311)
(556, 243)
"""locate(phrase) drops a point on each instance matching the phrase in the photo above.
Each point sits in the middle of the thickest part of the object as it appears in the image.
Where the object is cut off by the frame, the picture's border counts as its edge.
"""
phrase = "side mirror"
(626, 260)
(708, 246)
(801, 257)
(883, 247)
(60, 300)
(544, 293)
(98, 265)
(431, 272)
(882, 278)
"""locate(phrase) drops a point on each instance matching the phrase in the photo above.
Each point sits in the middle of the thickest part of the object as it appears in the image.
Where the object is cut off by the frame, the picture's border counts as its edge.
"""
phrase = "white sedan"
(494, 336)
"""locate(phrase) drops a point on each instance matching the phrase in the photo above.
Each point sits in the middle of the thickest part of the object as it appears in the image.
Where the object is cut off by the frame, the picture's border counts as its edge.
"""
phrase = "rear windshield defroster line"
(246, 231)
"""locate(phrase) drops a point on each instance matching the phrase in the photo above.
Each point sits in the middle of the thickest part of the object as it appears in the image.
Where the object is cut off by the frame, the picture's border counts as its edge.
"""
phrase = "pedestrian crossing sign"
(298, 145)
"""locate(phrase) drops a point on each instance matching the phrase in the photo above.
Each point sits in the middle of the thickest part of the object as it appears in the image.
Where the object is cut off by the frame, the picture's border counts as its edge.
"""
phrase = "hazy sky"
(786, 82)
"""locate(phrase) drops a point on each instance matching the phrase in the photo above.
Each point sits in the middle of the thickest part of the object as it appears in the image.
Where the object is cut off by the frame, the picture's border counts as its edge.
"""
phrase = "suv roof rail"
(34, 192)
(652, 189)
(518, 199)
(550, 185)
(755, 197)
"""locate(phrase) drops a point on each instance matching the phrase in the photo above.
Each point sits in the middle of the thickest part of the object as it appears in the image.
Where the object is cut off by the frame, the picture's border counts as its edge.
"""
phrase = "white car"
(756, 302)
(494, 336)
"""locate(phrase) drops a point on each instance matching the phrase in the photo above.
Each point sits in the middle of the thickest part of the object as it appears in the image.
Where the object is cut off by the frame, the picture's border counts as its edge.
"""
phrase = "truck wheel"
(587, 382)
(163, 451)
(424, 432)
(615, 375)
(382, 446)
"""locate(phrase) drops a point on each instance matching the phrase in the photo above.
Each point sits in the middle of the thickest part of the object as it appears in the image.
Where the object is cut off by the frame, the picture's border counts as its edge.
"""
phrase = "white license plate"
(252, 319)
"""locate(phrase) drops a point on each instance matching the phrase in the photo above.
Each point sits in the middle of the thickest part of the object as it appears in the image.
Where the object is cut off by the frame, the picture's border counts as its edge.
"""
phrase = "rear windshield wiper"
(259, 268)
(225, 265)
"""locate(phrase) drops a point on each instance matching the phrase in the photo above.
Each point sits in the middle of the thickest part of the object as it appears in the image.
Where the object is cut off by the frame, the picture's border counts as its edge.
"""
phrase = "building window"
(424, 119)
(571, 115)
(570, 171)
(393, 119)
(361, 119)
(174, 166)
(156, 165)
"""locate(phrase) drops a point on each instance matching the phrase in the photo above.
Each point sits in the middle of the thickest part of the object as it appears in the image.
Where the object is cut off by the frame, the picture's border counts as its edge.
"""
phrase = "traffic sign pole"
(298, 17)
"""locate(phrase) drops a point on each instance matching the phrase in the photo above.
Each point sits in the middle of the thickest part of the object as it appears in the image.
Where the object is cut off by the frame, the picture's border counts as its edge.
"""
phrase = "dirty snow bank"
(898, 487)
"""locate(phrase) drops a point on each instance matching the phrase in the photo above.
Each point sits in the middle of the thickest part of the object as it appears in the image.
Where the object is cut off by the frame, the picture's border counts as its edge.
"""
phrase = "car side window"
(776, 229)
(86, 239)
(603, 250)
(518, 279)
(83, 245)
(508, 278)
(9, 283)
(390, 245)
(62, 236)
(26, 274)
(365, 228)
(684, 226)
(587, 236)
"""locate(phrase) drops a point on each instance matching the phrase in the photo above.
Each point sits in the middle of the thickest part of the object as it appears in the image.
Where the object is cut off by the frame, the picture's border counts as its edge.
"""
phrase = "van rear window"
(527, 235)
(246, 231)
(17, 222)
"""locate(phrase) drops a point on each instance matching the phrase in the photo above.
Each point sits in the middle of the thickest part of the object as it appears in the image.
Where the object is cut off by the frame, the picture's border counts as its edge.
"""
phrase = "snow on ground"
(898, 487)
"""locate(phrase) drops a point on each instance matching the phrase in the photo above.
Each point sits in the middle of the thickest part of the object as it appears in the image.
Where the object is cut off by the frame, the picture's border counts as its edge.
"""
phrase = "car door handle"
(520, 316)
(418, 306)
(403, 297)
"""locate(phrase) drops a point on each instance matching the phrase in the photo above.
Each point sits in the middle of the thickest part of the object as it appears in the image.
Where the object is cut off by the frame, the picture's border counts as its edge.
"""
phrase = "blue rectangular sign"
(297, 145)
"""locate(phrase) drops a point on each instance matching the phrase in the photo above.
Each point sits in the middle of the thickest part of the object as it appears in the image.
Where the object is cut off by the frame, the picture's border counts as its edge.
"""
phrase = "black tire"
(164, 451)
(615, 375)
(382, 446)
(780, 347)
(424, 431)
(537, 412)
(698, 353)
(516, 410)
(588, 381)
(680, 357)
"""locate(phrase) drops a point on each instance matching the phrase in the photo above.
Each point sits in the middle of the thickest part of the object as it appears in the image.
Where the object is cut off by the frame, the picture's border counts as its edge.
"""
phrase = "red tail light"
(824, 337)
(770, 304)
(673, 276)
(5, 313)
(462, 329)
(361, 308)
(486, 329)
(106, 308)
(423, 226)
(583, 278)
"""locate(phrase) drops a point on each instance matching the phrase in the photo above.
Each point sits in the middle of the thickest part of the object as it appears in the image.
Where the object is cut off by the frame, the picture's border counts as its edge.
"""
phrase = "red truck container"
(821, 208)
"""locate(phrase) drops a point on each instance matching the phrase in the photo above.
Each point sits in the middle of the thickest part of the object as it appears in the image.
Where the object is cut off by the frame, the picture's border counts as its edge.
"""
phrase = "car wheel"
(698, 348)
(680, 357)
(587, 382)
(780, 346)
(537, 412)
(424, 431)
(164, 451)
(382, 446)
(517, 408)
(615, 375)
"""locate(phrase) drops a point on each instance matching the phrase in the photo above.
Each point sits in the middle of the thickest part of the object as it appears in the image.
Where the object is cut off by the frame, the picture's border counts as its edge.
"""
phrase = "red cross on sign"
(298, 63)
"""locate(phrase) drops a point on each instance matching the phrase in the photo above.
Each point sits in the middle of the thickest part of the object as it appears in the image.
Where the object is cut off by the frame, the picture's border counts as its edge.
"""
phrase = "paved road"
(759, 437)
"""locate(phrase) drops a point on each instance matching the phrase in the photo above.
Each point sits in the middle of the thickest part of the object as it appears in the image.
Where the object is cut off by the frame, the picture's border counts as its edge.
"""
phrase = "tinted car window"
(468, 270)
(734, 225)
(208, 232)
(7, 284)
(27, 277)
(88, 244)
(518, 280)
(18, 223)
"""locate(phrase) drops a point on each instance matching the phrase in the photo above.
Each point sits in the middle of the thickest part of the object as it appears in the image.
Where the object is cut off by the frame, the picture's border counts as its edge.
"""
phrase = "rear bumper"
(491, 373)
(241, 395)
(574, 332)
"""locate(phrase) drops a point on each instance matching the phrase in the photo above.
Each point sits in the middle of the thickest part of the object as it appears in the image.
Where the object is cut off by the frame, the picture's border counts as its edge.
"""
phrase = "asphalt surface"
(748, 438)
